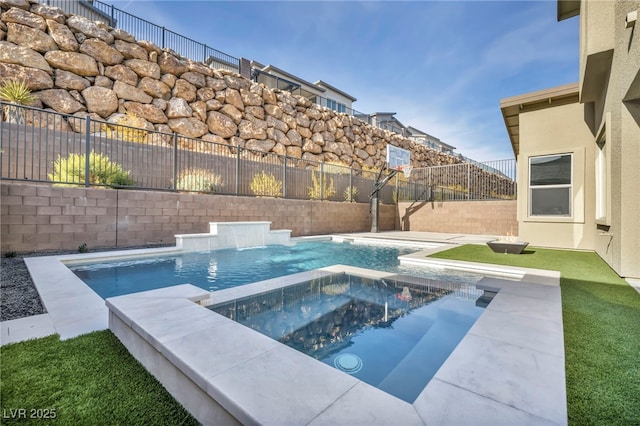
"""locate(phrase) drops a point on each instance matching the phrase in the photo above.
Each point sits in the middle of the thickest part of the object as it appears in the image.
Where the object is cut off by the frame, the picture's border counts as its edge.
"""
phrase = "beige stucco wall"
(463, 217)
(44, 217)
(558, 130)
(616, 115)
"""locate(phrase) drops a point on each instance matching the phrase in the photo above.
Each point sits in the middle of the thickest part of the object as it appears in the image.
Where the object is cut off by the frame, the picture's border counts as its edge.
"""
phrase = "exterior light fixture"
(631, 19)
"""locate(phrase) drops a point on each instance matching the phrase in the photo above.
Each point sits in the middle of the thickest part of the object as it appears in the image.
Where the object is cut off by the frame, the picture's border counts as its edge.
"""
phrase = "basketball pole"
(374, 200)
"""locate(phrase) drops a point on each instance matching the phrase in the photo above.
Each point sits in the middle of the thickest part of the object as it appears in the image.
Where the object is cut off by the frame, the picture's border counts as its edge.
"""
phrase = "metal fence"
(493, 180)
(44, 146)
(144, 30)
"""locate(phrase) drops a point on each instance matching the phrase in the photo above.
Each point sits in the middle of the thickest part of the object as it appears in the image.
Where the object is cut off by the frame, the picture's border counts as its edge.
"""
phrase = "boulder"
(216, 84)
(144, 68)
(274, 111)
(252, 130)
(279, 149)
(294, 151)
(232, 96)
(149, 112)
(16, 15)
(102, 81)
(77, 63)
(278, 136)
(311, 147)
(155, 88)
(213, 105)
(89, 28)
(232, 112)
(130, 50)
(255, 111)
(191, 127)
(35, 79)
(205, 93)
(250, 98)
(19, 55)
(278, 124)
(178, 108)
(63, 36)
(294, 137)
(259, 145)
(221, 125)
(60, 100)
(169, 64)
(121, 73)
(100, 100)
(79, 124)
(22, 4)
(49, 121)
(199, 110)
(70, 81)
(130, 93)
(48, 12)
(30, 37)
(120, 34)
(101, 51)
(194, 78)
(185, 90)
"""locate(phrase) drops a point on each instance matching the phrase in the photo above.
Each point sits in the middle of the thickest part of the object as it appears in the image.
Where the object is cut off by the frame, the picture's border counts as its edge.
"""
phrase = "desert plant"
(322, 188)
(17, 93)
(102, 171)
(10, 253)
(199, 180)
(351, 193)
(265, 184)
(82, 248)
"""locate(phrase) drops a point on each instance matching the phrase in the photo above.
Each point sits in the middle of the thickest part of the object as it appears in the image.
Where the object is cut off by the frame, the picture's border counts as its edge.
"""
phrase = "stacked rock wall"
(78, 67)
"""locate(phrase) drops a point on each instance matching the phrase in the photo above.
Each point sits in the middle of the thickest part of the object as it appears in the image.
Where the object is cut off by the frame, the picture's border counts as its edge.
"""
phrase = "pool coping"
(508, 369)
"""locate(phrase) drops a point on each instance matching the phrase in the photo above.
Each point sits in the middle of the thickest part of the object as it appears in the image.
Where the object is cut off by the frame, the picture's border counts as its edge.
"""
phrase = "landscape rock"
(60, 100)
(191, 127)
(131, 93)
(196, 79)
(100, 100)
(185, 90)
(63, 36)
(169, 64)
(178, 108)
(221, 125)
(101, 51)
(48, 12)
(88, 28)
(20, 16)
(155, 88)
(77, 63)
(144, 68)
(21, 55)
(122, 73)
(131, 50)
(70, 81)
(34, 79)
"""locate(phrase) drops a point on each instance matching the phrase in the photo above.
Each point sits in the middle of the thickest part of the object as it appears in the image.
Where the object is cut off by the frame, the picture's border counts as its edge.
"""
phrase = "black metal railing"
(142, 29)
(43, 146)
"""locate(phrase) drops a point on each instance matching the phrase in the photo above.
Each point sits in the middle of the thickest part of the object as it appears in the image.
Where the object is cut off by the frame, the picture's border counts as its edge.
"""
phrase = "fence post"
(468, 181)
(87, 152)
(238, 172)
(204, 52)
(284, 178)
(351, 185)
(113, 20)
(163, 29)
(321, 181)
(175, 161)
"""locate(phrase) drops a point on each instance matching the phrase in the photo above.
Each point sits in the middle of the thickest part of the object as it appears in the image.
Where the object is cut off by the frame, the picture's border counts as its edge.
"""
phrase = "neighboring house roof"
(512, 107)
(420, 134)
(330, 87)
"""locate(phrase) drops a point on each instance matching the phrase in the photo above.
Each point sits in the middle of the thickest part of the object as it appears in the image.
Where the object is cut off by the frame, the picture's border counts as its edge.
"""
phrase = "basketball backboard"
(397, 157)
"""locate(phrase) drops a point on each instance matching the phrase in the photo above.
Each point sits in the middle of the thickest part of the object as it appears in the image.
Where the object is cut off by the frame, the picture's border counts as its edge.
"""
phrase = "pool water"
(393, 334)
(221, 269)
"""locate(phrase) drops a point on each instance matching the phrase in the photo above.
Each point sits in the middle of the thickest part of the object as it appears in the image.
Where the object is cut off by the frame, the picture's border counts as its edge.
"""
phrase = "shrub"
(15, 92)
(327, 191)
(10, 254)
(351, 193)
(265, 184)
(199, 180)
(102, 171)
(82, 248)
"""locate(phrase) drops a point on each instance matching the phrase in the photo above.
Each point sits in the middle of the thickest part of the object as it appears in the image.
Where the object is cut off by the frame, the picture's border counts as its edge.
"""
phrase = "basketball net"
(406, 169)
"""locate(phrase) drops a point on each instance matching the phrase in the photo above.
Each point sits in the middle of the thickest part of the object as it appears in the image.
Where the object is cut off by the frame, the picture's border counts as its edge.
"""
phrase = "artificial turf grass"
(601, 321)
(88, 380)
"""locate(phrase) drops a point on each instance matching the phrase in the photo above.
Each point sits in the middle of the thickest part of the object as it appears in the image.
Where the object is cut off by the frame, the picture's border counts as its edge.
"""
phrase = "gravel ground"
(18, 295)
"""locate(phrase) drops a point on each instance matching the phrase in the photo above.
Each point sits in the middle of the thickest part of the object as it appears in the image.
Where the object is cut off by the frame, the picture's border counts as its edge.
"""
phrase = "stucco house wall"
(558, 130)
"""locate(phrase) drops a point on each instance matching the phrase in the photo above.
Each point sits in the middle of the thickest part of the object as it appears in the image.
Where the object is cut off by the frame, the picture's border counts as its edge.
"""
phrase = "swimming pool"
(221, 269)
(392, 333)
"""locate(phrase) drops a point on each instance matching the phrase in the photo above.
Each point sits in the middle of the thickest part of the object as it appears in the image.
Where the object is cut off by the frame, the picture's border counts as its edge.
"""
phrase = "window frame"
(569, 186)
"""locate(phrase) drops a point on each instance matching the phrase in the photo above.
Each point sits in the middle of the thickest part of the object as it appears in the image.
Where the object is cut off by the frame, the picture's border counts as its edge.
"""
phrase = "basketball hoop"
(406, 169)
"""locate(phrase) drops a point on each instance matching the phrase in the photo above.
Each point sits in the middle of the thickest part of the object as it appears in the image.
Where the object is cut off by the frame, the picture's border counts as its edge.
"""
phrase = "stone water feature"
(223, 235)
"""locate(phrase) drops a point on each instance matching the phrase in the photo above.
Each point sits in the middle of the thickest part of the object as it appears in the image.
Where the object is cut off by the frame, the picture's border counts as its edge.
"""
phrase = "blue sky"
(441, 66)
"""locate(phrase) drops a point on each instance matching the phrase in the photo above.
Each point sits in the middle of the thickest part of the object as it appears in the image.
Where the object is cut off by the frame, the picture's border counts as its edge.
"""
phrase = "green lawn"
(89, 380)
(601, 316)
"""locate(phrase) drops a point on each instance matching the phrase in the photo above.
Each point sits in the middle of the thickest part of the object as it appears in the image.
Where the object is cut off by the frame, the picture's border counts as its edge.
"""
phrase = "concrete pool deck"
(509, 368)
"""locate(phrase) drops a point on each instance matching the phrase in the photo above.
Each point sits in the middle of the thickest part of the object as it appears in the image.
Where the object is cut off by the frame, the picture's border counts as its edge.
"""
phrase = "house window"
(335, 105)
(550, 190)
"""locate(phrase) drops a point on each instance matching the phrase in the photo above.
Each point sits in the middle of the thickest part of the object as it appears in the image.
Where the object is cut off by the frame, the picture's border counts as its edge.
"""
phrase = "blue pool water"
(216, 270)
(393, 334)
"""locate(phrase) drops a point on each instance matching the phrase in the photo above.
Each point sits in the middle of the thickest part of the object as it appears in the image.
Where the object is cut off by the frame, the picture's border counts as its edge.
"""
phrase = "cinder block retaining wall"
(463, 217)
(44, 217)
